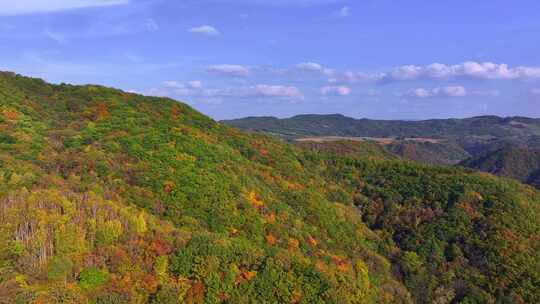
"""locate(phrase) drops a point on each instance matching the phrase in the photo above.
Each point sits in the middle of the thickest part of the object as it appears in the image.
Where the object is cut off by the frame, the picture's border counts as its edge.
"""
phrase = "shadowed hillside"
(516, 163)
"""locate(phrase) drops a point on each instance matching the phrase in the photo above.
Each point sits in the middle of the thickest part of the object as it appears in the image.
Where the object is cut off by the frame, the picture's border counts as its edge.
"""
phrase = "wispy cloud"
(151, 25)
(449, 91)
(205, 30)
(195, 90)
(486, 93)
(335, 90)
(57, 37)
(343, 12)
(314, 67)
(229, 70)
(23, 7)
(435, 71)
(470, 69)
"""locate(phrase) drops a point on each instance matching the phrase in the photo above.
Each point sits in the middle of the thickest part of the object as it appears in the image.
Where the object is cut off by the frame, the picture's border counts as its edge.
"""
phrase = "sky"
(381, 59)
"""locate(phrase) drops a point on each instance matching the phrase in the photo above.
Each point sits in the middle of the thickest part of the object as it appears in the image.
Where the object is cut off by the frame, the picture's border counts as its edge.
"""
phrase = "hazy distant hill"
(483, 127)
(474, 135)
(517, 163)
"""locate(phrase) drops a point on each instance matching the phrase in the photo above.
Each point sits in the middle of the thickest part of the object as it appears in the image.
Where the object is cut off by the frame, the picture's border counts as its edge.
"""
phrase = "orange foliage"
(150, 283)
(296, 297)
(168, 186)
(341, 263)
(245, 276)
(312, 241)
(254, 200)
(386, 297)
(11, 115)
(270, 239)
(293, 244)
(117, 258)
(160, 247)
(467, 208)
(321, 266)
(101, 111)
(175, 111)
(40, 300)
(271, 218)
(249, 275)
(195, 295)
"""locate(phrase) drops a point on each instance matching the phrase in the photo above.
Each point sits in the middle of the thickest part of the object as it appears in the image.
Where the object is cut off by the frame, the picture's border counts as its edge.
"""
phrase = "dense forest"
(113, 197)
(518, 163)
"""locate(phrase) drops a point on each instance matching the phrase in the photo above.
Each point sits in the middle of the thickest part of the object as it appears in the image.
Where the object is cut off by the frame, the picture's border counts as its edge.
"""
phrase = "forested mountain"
(112, 197)
(517, 163)
(457, 139)
(421, 152)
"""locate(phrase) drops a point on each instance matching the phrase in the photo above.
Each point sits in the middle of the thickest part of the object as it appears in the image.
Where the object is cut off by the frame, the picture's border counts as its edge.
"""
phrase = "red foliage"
(160, 247)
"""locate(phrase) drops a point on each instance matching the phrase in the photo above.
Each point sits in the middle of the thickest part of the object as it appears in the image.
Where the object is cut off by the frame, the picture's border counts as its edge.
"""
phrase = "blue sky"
(397, 59)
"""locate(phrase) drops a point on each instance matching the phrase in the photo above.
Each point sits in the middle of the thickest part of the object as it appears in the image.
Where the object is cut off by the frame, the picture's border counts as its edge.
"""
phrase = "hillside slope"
(517, 163)
(111, 197)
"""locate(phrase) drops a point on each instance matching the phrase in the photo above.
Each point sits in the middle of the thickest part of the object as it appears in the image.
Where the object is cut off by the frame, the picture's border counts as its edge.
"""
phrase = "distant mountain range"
(505, 146)
(485, 127)
(474, 136)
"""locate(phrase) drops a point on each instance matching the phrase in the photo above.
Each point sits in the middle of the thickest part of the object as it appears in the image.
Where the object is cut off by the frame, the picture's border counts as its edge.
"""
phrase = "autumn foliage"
(108, 197)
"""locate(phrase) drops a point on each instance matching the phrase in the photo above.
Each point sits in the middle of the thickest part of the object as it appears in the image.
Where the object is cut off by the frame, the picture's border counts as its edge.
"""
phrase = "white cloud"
(280, 3)
(205, 30)
(309, 66)
(57, 37)
(229, 70)
(314, 67)
(449, 91)
(470, 69)
(258, 91)
(487, 93)
(360, 77)
(189, 88)
(195, 84)
(22, 7)
(151, 25)
(195, 89)
(435, 71)
(173, 84)
(344, 12)
(263, 90)
(336, 90)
